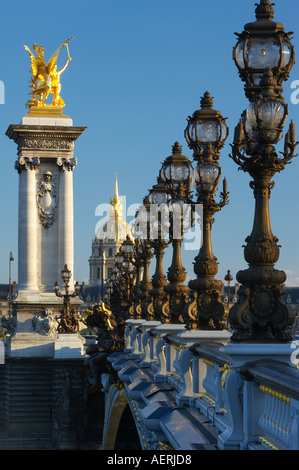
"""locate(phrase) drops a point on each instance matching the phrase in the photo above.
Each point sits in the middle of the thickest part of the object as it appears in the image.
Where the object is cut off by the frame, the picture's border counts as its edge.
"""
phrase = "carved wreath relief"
(46, 199)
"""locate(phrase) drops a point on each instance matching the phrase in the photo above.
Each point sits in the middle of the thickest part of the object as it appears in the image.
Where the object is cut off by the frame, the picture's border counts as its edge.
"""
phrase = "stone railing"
(252, 404)
(270, 405)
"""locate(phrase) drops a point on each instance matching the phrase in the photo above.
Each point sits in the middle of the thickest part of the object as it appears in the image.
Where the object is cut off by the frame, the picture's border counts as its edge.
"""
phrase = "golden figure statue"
(45, 79)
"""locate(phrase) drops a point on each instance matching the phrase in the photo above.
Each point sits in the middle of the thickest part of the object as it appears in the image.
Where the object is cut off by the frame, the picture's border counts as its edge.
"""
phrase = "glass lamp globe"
(125, 264)
(159, 194)
(119, 258)
(206, 129)
(128, 246)
(66, 274)
(263, 45)
(177, 170)
(209, 175)
(266, 119)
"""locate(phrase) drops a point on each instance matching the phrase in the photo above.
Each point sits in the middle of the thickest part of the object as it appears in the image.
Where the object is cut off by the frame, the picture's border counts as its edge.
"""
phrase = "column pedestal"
(69, 346)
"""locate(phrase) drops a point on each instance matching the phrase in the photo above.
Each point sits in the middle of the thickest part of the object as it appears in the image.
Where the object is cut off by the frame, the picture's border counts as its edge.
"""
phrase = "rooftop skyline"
(138, 70)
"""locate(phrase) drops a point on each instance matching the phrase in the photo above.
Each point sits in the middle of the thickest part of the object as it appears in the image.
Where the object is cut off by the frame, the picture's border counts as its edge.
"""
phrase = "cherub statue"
(45, 78)
(109, 340)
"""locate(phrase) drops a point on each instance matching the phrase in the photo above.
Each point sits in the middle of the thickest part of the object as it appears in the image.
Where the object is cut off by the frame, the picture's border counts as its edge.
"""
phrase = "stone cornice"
(44, 137)
(15, 131)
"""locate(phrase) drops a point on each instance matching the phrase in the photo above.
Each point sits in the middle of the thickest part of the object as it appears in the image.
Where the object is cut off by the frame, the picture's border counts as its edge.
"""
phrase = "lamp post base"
(260, 315)
(204, 311)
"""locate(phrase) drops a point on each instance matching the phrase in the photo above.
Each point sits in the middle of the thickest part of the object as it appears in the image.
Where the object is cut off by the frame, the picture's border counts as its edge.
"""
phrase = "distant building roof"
(4, 291)
(293, 294)
(91, 293)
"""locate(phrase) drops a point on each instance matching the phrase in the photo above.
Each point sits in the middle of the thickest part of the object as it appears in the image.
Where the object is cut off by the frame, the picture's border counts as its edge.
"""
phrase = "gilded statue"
(45, 78)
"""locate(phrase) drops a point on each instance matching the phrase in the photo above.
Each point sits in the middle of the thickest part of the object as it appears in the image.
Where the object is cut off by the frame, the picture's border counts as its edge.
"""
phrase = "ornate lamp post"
(264, 56)
(123, 275)
(109, 291)
(146, 285)
(158, 198)
(121, 282)
(176, 172)
(228, 278)
(115, 299)
(145, 254)
(11, 258)
(117, 278)
(102, 255)
(135, 301)
(68, 323)
(129, 273)
(206, 134)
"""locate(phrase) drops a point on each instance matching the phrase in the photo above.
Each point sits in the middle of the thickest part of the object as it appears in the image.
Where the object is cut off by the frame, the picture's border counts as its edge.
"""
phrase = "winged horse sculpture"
(45, 78)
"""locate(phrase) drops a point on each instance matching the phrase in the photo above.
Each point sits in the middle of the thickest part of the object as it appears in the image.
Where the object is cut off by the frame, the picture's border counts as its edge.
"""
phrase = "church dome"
(115, 229)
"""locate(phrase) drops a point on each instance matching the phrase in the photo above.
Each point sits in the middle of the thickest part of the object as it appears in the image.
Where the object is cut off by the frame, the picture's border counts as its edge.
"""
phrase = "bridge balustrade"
(253, 406)
(271, 406)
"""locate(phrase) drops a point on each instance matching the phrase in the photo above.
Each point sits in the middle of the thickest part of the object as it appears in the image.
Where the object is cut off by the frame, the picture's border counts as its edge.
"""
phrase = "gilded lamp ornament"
(260, 314)
(45, 78)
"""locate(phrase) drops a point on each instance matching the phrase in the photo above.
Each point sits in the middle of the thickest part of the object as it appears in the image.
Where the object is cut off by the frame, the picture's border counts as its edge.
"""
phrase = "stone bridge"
(173, 389)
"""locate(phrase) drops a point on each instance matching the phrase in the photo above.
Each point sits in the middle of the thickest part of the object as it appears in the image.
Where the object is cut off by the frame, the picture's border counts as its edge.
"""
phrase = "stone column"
(27, 244)
(66, 217)
(104, 271)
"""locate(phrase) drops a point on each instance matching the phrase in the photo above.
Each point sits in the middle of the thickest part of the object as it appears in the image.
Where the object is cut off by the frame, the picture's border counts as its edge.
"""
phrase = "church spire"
(116, 203)
(116, 187)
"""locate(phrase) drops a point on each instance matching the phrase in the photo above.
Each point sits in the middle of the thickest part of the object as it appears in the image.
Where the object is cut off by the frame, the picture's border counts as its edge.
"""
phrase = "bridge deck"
(183, 427)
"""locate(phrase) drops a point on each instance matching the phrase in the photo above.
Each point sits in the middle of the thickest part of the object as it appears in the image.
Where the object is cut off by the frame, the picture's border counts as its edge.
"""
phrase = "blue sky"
(139, 69)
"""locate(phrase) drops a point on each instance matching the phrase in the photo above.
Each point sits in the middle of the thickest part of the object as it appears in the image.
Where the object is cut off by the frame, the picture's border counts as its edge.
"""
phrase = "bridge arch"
(120, 428)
